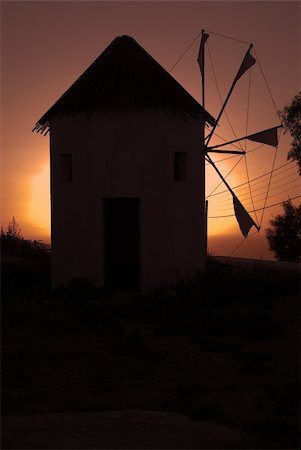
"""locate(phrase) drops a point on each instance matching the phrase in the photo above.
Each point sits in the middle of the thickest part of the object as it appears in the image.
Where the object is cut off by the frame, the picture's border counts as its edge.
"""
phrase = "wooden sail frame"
(268, 137)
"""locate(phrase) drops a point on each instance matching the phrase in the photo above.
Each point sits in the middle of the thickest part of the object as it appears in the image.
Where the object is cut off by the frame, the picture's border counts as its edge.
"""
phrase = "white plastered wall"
(127, 155)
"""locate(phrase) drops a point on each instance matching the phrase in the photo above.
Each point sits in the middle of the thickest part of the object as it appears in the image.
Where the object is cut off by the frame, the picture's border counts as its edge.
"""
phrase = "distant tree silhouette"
(291, 116)
(284, 236)
(13, 229)
(13, 243)
(11, 240)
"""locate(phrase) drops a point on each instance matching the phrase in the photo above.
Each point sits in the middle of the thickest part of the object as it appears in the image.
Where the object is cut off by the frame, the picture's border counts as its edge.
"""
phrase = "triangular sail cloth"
(269, 137)
(243, 218)
(248, 62)
(205, 36)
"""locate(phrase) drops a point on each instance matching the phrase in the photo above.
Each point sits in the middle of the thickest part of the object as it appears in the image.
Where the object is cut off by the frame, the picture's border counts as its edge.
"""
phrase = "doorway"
(122, 243)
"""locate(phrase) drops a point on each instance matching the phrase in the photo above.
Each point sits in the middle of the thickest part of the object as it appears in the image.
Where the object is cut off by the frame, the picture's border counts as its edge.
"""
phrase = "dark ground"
(212, 363)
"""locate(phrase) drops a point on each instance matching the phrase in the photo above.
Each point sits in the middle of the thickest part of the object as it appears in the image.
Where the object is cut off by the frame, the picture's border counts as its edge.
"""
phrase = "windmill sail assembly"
(268, 136)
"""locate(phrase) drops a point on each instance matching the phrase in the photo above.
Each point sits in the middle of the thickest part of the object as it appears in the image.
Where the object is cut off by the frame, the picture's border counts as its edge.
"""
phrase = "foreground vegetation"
(218, 347)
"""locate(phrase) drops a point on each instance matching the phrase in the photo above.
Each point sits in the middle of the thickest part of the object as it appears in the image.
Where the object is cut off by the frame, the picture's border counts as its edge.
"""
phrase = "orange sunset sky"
(47, 45)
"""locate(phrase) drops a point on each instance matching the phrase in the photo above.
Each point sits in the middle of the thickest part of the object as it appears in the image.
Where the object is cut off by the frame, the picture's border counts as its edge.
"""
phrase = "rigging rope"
(182, 56)
(278, 193)
(246, 141)
(259, 209)
(242, 242)
(263, 188)
(228, 37)
(236, 156)
(247, 204)
(267, 85)
(269, 185)
(256, 178)
(225, 177)
(220, 97)
(242, 196)
(225, 140)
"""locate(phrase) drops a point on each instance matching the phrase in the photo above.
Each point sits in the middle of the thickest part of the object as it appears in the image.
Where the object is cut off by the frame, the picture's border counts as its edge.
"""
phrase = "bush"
(25, 265)
(284, 236)
(13, 243)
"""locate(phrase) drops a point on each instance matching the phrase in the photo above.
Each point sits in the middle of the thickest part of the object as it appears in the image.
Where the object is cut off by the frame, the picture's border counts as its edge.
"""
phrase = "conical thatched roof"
(124, 77)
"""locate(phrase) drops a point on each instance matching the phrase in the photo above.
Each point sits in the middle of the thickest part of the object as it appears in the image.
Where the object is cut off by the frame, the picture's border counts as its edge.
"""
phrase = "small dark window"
(180, 166)
(66, 167)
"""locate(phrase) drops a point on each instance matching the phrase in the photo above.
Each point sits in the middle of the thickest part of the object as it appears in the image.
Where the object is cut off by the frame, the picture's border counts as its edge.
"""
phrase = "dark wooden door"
(121, 243)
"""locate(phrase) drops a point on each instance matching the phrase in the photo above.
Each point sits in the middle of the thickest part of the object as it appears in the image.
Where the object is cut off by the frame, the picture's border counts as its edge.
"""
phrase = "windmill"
(268, 136)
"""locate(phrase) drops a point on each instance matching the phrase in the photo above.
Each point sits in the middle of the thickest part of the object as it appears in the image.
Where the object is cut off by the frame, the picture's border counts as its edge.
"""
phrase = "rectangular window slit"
(66, 167)
(180, 166)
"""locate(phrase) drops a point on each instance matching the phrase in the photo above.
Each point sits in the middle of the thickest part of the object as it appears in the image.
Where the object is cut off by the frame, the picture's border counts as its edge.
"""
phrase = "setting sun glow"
(39, 207)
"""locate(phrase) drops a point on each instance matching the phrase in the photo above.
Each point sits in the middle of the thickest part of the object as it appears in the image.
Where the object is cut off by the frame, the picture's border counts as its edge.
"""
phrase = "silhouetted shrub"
(25, 264)
(284, 235)
(14, 245)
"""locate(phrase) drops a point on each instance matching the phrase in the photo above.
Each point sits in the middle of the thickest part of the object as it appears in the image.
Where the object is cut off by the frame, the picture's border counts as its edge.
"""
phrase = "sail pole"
(223, 179)
(201, 61)
(243, 218)
(268, 137)
(203, 72)
(248, 61)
